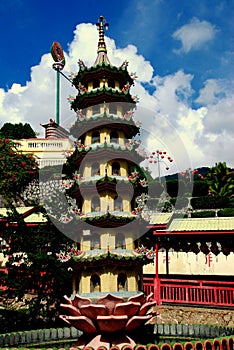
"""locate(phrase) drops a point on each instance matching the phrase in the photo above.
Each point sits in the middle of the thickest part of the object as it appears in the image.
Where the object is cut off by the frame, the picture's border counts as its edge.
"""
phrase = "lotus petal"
(64, 318)
(139, 298)
(72, 310)
(92, 311)
(82, 323)
(146, 307)
(150, 297)
(78, 301)
(110, 301)
(128, 309)
(136, 322)
(68, 300)
(111, 324)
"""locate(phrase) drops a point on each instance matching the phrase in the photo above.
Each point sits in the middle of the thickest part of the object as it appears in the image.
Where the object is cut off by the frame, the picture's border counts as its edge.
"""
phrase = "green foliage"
(220, 180)
(16, 169)
(50, 172)
(179, 202)
(172, 187)
(210, 202)
(226, 212)
(175, 187)
(200, 188)
(37, 269)
(17, 131)
(203, 214)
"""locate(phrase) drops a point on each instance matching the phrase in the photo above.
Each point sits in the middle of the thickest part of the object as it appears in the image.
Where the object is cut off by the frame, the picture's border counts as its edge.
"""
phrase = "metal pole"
(159, 175)
(57, 96)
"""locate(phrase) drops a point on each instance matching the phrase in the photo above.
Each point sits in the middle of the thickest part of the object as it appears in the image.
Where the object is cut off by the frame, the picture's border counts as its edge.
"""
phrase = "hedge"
(210, 202)
(203, 214)
(179, 202)
(200, 188)
(226, 212)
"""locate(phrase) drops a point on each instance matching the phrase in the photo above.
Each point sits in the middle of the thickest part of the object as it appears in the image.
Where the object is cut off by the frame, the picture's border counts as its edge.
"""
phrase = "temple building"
(49, 150)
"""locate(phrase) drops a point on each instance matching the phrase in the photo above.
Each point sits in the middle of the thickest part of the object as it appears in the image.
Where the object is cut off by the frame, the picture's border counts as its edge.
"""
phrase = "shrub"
(200, 188)
(203, 214)
(172, 187)
(179, 202)
(175, 187)
(226, 212)
(180, 216)
(210, 202)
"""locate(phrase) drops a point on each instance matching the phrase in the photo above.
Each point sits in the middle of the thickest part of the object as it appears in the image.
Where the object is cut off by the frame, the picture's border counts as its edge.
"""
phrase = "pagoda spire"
(102, 51)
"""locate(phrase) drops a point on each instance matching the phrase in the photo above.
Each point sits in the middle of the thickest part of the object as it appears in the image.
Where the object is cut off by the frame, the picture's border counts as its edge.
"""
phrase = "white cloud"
(194, 35)
(201, 136)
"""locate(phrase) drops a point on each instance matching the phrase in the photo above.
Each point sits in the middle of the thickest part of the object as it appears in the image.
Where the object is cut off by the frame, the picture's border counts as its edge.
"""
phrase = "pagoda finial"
(102, 51)
(100, 27)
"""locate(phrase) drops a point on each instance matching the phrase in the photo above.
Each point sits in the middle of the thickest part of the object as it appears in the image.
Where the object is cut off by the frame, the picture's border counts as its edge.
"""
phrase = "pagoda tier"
(98, 220)
(98, 95)
(84, 123)
(129, 258)
(107, 183)
(85, 167)
(105, 150)
(105, 72)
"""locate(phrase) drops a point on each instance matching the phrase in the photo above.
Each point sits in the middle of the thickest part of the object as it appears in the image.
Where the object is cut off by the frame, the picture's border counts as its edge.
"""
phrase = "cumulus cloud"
(199, 136)
(194, 35)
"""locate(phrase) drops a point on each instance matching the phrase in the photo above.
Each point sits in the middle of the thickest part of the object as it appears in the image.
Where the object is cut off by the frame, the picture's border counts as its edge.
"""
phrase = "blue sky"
(184, 50)
(30, 27)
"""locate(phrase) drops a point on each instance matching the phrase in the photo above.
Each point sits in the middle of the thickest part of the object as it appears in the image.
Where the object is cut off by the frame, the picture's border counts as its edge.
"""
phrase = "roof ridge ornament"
(100, 27)
(102, 50)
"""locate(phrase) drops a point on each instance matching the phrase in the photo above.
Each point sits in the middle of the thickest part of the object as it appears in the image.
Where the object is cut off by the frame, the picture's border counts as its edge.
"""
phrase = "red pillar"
(156, 279)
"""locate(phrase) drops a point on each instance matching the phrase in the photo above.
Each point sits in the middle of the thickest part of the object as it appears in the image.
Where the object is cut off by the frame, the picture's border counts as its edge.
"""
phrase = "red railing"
(190, 292)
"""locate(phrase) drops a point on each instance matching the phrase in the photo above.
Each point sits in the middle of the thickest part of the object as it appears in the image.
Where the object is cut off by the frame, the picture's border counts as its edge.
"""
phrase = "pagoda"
(107, 185)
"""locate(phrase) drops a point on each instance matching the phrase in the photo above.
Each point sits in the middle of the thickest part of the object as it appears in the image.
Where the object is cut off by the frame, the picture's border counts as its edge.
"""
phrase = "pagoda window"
(95, 169)
(122, 282)
(95, 241)
(113, 108)
(114, 137)
(96, 137)
(115, 168)
(120, 241)
(96, 109)
(95, 283)
(96, 83)
(111, 83)
(118, 204)
(95, 204)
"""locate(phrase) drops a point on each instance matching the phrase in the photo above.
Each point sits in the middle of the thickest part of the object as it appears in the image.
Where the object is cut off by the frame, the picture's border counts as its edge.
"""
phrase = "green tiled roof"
(20, 210)
(31, 218)
(160, 218)
(35, 218)
(202, 224)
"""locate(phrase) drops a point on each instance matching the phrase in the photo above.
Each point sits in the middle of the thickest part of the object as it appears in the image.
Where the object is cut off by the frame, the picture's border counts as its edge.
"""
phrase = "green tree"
(31, 251)
(220, 180)
(33, 267)
(17, 131)
(16, 169)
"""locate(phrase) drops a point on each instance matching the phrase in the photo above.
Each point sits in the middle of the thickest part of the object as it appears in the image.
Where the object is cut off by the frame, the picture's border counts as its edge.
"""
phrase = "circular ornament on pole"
(57, 54)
